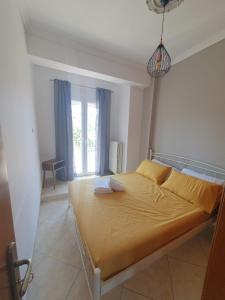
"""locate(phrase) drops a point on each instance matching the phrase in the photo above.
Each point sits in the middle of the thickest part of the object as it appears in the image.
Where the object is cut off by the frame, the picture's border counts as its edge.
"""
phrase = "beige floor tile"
(52, 211)
(191, 252)
(129, 295)
(36, 259)
(47, 235)
(50, 233)
(60, 191)
(57, 237)
(79, 290)
(149, 282)
(52, 280)
(67, 252)
(187, 280)
(206, 239)
(114, 294)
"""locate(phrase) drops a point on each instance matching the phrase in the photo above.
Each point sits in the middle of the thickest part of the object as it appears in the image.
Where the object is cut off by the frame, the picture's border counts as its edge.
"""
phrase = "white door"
(84, 115)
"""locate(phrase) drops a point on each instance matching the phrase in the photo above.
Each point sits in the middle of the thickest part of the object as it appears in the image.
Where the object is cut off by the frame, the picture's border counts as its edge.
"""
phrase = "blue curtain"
(103, 101)
(63, 128)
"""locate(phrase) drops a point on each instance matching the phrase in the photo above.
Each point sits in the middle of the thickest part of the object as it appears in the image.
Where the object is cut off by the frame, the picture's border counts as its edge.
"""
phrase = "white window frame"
(84, 115)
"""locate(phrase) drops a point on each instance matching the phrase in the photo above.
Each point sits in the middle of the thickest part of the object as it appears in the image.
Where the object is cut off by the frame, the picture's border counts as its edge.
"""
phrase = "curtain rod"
(84, 86)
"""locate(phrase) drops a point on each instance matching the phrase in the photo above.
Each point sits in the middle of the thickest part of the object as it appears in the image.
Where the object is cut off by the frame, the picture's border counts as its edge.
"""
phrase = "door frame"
(8, 290)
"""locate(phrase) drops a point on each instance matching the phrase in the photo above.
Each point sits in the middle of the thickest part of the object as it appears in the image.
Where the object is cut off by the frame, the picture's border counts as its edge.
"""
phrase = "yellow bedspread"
(123, 227)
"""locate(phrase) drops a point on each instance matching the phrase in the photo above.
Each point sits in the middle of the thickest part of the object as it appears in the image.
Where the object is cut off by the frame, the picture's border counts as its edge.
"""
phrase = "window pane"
(77, 136)
(91, 137)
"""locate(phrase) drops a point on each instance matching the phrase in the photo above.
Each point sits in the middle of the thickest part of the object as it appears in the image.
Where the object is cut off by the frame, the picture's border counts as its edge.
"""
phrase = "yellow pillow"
(199, 192)
(156, 172)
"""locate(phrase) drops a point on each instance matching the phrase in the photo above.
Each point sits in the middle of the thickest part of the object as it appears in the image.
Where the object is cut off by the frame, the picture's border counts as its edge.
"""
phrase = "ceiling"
(126, 28)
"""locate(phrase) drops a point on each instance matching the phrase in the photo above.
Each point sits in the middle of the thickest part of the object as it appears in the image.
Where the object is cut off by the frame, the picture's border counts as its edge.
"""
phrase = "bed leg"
(97, 284)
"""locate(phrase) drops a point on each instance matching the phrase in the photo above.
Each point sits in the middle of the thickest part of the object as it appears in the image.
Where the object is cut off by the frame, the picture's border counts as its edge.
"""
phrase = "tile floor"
(61, 188)
(58, 273)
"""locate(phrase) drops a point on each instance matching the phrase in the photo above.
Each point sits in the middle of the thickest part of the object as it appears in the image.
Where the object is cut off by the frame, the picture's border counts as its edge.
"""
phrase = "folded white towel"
(116, 185)
(102, 186)
(107, 185)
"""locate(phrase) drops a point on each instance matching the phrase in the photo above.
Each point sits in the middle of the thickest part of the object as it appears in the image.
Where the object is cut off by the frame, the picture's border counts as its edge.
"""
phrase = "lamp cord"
(163, 22)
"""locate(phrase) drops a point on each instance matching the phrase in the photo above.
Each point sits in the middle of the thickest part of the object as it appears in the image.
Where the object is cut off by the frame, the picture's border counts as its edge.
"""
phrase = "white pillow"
(202, 176)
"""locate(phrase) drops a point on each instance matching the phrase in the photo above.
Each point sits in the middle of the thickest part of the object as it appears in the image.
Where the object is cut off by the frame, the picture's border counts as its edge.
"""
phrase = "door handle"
(19, 286)
(28, 277)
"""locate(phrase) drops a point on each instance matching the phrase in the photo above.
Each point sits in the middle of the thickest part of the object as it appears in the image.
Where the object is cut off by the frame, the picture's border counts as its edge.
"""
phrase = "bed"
(122, 233)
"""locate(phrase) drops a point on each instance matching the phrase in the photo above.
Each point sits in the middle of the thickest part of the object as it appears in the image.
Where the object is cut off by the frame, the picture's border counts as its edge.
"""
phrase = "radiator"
(115, 157)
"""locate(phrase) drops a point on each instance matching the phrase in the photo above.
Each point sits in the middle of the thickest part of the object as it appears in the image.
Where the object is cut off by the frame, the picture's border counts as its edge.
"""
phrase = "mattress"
(122, 228)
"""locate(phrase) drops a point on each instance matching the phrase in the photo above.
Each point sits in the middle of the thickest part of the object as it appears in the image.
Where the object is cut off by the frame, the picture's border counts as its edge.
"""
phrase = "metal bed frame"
(98, 287)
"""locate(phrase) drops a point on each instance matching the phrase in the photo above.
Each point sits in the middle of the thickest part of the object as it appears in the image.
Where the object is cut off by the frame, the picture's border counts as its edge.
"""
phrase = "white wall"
(135, 128)
(44, 104)
(189, 108)
(121, 117)
(58, 52)
(18, 124)
(146, 120)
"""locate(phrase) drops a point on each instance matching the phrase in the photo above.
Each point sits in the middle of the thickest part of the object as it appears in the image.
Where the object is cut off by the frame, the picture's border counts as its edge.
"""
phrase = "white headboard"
(181, 162)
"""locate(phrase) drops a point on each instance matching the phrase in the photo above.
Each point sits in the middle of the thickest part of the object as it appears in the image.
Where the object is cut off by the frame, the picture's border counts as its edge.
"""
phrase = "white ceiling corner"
(126, 30)
(67, 40)
(24, 12)
(200, 47)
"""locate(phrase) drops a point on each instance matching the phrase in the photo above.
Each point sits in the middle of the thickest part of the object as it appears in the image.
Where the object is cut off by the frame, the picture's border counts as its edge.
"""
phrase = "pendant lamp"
(160, 62)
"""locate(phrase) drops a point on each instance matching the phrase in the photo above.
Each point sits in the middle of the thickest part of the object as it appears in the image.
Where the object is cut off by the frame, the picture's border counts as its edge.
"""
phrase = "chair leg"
(65, 172)
(43, 180)
(69, 206)
(53, 177)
